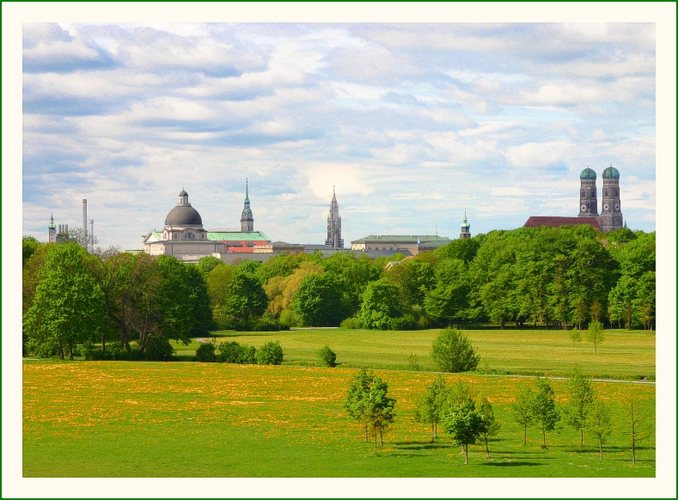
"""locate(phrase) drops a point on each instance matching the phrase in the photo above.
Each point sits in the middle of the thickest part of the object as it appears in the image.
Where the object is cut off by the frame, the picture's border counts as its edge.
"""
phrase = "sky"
(413, 124)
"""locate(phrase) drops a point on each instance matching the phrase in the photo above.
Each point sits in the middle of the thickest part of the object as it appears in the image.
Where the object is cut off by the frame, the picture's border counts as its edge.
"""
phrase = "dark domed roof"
(588, 173)
(183, 216)
(610, 173)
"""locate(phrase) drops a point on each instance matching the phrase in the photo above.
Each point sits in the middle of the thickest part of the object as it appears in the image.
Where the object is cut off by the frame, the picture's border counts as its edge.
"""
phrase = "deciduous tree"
(581, 398)
(430, 406)
(452, 351)
(544, 408)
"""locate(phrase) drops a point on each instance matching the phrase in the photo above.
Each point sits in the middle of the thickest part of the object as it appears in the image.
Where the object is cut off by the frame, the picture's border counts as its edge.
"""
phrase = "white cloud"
(538, 154)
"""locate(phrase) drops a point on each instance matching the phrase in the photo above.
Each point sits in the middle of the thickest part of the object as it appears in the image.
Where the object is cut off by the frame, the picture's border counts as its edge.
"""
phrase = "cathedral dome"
(183, 214)
(610, 173)
(588, 174)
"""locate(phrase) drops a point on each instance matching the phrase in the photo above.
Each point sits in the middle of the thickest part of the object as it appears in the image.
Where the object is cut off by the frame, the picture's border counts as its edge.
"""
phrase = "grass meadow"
(189, 419)
(623, 354)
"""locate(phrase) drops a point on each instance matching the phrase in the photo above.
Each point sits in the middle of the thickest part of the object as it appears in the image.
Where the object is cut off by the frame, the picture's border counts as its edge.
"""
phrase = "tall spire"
(51, 229)
(334, 224)
(247, 219)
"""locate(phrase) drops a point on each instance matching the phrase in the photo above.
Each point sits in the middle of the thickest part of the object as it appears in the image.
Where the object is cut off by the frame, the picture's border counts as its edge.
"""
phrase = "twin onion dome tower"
(610, 217)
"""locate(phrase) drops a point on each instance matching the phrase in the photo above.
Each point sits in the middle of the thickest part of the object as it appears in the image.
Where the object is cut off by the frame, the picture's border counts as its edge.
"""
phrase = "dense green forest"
(553, 277)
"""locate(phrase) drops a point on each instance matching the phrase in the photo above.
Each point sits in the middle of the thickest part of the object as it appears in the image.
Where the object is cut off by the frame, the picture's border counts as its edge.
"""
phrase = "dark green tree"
(381, 306)
(271, 353)
(68, 303)
(453, 352)
(246, 299)
(318, 301)
(206, 264)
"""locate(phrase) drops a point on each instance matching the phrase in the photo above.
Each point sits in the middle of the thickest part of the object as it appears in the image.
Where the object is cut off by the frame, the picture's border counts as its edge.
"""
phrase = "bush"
(158, 349)
(232, 352)
(350, 324)
(206, 353)
(271, 353)
(268, 324)
(327, 356)
(452, 352)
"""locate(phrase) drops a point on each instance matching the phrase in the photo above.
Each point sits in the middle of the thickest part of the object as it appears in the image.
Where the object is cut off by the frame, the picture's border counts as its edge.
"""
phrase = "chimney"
(91, 232)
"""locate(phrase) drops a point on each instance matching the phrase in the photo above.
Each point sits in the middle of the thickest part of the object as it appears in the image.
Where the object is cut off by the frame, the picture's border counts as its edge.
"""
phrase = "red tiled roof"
(546, 220)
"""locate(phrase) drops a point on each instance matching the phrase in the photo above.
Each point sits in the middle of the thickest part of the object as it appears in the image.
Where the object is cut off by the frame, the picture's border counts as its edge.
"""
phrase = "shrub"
(158, 349)
(271, 353)
(232, 352)
(452, 352)
(350, 324)
(327, 356)
(206, 353)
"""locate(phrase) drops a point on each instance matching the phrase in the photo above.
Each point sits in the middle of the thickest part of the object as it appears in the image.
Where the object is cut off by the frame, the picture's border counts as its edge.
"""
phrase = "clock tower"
(588, 201)
(611, 215)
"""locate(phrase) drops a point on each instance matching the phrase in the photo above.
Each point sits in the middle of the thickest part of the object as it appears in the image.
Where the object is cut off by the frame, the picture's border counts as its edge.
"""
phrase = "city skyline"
(413, 123)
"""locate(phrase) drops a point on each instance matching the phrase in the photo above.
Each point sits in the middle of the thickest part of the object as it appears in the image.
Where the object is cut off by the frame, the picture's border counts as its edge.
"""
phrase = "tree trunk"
(581, 437)
(633, 436)
(367, 433)
(525, 435)
(487, 446)
(465, 454)
(600, 443)
(544, 433)
(433, 432)
(381, 436)
(375, 438)
(70, 351)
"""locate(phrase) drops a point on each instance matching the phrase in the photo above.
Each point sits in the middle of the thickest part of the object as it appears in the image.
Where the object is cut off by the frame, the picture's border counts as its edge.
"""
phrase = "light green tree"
(523, 410)
(464, 423)
(577, 409)
(431, 405)
(544, 408)
(490, 424)
(600, 423)
(453, 352)
(595, 334)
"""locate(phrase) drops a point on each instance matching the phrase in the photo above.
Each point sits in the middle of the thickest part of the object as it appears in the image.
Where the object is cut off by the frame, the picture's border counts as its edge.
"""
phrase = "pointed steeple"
(247, 219)
(334, 224)
(465, 228)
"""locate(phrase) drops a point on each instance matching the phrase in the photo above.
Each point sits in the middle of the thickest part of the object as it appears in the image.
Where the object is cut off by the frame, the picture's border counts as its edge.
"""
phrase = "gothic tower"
(52, 230)
(588, 201)
(246, 219)
(334, 225)
(611, 216)
(465, 228)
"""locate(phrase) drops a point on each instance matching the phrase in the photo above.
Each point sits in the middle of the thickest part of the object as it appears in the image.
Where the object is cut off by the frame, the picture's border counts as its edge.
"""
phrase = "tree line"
(556, 277)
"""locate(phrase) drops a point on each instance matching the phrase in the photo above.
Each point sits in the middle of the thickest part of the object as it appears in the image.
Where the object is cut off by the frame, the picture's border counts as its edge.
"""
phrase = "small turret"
(247, 219)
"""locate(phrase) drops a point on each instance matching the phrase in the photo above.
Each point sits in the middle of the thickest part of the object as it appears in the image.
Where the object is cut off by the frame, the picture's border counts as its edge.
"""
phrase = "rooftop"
(550, 221)
(401, 238)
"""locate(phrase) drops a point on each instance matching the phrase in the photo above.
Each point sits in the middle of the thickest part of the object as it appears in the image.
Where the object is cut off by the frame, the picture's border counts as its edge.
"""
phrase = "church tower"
(52, 230)
(246, 219)
(334, 225)
(588, 201)
(465, 228)
(611, 216)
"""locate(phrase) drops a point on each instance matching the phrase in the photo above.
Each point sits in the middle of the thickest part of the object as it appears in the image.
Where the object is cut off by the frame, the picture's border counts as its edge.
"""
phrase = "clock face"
(583, 208)
(606, 206)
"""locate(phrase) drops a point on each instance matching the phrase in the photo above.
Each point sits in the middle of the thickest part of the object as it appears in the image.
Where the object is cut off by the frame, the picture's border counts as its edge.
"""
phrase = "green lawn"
(130, 419)
(624, 354)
